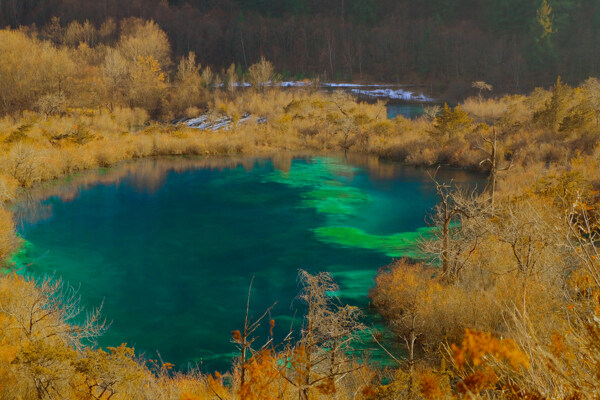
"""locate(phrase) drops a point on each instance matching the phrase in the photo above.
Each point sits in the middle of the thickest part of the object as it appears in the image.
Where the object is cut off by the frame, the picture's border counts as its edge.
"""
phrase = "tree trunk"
(446, 247)
(494, 170)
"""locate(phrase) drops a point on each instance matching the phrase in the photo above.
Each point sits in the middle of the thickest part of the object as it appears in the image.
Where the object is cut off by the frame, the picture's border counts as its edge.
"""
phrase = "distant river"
(171, 245)
(407, 110)
(403, 100)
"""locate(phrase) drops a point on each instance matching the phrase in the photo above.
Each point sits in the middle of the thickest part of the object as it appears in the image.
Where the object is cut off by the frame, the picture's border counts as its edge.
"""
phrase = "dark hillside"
(512, 44)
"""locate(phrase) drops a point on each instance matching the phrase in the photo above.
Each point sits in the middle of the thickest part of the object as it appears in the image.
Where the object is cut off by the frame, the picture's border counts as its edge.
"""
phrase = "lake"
(407, 110)
(170, 246)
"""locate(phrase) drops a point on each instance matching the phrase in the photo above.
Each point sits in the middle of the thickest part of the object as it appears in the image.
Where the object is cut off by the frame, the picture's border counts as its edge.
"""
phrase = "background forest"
(513, 44)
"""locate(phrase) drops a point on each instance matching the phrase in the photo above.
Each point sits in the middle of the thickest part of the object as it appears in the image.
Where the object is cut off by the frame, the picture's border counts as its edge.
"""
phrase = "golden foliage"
(8, 239)
(476, 346)
(262, 374)
(477, 357)
(451, 123)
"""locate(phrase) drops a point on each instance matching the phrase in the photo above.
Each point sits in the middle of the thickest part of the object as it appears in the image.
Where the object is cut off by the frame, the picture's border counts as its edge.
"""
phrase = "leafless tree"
(43, 317)
(329, 333)
(50, 310)
(490, 150)
(453, 241)
(245, 338)
(431, 112)
(262, 74)
(481, 86)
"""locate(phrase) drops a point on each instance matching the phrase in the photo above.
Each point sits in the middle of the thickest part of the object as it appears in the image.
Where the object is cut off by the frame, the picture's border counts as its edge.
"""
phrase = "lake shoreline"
(326, 181)
(49, 184)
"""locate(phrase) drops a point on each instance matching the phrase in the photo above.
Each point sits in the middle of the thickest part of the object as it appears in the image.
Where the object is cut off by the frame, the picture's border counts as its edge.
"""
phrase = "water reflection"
(149, 176)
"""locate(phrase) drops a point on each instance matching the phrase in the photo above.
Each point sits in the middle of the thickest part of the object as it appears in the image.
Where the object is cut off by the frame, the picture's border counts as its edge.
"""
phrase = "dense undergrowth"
(503, 305)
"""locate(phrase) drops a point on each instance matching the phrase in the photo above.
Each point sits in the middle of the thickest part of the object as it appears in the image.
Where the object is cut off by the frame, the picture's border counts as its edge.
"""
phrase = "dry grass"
(485, 110)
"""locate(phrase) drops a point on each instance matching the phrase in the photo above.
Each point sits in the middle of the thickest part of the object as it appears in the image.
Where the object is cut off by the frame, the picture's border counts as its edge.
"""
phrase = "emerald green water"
(170, 246)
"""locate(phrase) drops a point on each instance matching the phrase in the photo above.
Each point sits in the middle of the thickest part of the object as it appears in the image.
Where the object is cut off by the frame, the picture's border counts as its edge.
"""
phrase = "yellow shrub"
(8, 239)
(8, 187)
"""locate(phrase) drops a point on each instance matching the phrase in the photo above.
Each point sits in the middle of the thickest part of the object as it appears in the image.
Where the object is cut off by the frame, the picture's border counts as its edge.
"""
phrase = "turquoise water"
(170, 246)
(407, 110)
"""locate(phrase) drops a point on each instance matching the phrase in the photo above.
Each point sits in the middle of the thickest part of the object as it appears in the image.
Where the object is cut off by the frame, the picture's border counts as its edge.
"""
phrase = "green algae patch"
(326, 181)
(20, 258)
(397, 245)
(335, 199)
(330, 194)
(322, 171)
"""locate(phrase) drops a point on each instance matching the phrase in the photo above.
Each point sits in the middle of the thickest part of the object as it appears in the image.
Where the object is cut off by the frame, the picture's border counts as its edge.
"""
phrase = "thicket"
(503, 303)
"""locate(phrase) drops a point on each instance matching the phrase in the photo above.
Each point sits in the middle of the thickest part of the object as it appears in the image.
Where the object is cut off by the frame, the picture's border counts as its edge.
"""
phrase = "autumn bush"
(42, 353)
